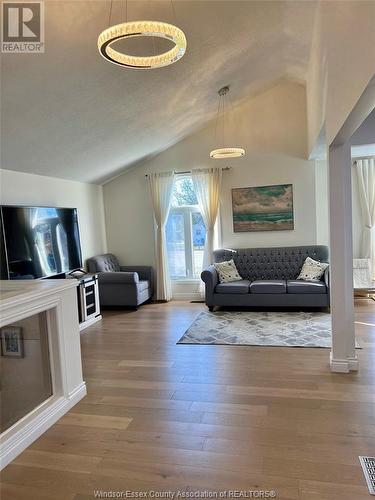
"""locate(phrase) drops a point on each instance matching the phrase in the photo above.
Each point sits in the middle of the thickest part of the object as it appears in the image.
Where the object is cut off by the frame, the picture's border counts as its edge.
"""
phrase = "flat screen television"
(40, 242)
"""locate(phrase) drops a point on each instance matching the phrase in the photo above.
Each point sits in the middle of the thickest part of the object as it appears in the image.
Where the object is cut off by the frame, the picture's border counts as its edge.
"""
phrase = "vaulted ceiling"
(69, 113)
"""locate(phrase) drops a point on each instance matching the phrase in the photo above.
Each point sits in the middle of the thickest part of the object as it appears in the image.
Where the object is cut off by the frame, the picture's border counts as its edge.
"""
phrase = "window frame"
(187, 212)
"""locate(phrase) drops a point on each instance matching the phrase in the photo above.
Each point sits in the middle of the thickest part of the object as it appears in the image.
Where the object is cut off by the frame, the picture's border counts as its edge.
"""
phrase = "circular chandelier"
(142, 29)
(138, 29)
(224, 152)
(227, 153)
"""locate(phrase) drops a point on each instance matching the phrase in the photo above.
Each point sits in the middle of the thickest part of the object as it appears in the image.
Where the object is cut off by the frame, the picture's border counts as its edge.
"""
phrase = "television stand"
(88, 299)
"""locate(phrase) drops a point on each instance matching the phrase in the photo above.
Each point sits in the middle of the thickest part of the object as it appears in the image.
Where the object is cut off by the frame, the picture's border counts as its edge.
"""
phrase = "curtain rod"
(189, 171)
(363, 158)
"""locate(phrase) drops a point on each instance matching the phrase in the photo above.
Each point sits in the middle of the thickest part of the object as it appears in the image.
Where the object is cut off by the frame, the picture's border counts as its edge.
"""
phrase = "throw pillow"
(227, 271)
(312, 270)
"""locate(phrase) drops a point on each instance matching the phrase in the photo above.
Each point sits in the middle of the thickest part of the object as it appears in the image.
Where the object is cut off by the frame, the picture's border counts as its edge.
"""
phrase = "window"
(185, 232)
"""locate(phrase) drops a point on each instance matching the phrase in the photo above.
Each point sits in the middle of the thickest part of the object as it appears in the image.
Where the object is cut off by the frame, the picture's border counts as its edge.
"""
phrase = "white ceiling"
(69, 113)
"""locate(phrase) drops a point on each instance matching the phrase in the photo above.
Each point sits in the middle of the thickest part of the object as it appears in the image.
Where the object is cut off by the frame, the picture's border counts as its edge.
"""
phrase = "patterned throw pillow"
(312, 270)
(227, 271)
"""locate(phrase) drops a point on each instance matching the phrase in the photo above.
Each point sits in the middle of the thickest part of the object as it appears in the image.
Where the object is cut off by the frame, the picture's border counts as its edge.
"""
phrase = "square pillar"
(343, 355)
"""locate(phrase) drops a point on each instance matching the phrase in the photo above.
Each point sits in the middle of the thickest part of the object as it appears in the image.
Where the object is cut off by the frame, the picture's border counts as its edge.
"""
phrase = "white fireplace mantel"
(58, 299)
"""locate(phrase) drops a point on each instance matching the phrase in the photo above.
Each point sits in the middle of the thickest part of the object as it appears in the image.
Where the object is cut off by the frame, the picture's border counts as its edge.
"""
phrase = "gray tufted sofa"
(121, 285)
(269, 278)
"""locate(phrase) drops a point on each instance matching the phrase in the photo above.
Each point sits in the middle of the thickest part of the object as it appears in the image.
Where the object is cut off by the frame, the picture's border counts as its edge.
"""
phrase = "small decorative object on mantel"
(263, 208)
(12, 342)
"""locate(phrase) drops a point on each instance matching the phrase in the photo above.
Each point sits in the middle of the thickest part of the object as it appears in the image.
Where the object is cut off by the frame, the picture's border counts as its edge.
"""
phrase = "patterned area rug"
(282, 329)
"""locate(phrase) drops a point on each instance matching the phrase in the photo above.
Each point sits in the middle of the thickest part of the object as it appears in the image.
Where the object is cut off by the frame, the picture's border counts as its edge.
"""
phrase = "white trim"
(186, 290)
(89, 322)
(343, 365)
(186, 281)
(59, 303)
(186, 211)
(353, 364)
(35, 423)
(187, 296)
(31, 290)
(25, 310)
(341, 257)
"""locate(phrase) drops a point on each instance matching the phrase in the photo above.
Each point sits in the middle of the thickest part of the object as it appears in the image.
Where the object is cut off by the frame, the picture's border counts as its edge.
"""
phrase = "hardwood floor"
(160, 416)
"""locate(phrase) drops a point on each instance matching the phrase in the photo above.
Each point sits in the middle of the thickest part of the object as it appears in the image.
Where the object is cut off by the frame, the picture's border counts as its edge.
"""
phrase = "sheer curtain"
(161, 188)
(365, 169)
(207, 185)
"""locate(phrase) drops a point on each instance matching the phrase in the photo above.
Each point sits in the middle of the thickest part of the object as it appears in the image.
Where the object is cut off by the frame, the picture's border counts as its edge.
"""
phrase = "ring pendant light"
(134, 29)
(224, 152)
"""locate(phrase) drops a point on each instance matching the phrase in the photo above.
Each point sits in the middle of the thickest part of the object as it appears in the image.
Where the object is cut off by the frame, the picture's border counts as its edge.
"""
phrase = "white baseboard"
(36, 423)
(186, 296)
(186, 290)
(353, 364)
(345, 365)
(89, 322)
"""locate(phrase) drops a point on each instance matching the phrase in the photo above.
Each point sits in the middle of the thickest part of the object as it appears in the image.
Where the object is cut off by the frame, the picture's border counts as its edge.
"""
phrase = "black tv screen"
(40, 241)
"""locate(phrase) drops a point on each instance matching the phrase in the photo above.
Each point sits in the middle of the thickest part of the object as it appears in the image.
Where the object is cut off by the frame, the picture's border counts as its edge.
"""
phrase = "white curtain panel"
(161, 188)
(365, 169)
(362, 274)
(207, 185)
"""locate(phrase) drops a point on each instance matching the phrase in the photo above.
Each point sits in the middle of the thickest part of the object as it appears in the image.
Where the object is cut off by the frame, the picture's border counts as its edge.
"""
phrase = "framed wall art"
(11, 342)
(263, 208)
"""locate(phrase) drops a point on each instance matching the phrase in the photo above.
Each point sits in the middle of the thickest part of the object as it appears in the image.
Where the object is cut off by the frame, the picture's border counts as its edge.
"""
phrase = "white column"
(343, 355)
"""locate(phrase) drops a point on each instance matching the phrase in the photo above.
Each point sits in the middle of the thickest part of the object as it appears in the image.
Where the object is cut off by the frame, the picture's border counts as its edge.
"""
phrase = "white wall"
(341, 65)
(272, 128)
(316, 85)
(18, 188)
(321, 187)
(362, 145)
(357, 224)
(268, 169)
(365, 134)
(322, 219)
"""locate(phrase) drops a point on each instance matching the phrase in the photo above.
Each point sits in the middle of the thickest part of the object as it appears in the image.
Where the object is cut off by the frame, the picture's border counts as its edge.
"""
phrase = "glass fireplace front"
(25, 370)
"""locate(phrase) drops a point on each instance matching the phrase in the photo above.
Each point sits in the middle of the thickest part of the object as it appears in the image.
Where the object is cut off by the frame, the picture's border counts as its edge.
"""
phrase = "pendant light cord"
(217, 119)
(152, 38)
(110, 14)
(222, 110)
(224, 120)
(174, 12)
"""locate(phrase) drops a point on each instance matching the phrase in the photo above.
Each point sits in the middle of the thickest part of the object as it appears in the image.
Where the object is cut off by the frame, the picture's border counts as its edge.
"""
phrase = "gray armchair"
(121, 285)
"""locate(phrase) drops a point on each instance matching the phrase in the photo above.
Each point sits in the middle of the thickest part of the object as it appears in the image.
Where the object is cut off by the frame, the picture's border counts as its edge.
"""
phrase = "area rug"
(281, 329)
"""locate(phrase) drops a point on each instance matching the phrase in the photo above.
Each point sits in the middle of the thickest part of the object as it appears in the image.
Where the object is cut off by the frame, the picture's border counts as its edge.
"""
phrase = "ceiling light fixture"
(227, 153)
(224, 152)
(133, 29)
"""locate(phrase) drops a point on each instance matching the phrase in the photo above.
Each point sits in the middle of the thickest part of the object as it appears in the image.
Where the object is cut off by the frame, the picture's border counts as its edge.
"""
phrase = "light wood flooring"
(160, 416)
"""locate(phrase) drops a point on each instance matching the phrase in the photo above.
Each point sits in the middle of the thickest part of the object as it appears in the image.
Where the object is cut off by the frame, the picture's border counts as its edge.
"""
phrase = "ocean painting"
(263, 208)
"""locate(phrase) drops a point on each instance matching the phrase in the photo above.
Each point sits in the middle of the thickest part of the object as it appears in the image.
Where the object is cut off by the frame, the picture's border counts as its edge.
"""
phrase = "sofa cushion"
(143, 285)
(227, 271)
(233, 287)
(312, 270)
(268, 286)
(302, 286)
